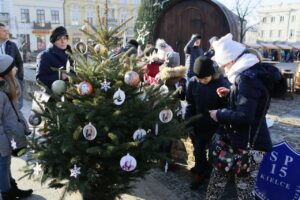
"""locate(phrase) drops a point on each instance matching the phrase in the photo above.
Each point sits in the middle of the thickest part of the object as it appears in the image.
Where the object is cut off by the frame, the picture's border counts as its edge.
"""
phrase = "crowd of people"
(220, 87)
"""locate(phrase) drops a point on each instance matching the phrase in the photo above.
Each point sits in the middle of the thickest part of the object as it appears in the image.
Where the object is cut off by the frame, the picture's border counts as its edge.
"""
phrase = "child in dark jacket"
(202, 97)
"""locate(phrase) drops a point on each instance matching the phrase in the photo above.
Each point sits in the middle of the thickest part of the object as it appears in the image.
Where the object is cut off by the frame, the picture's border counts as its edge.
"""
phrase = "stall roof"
(269, 45)
(295, 45)
(284, 46)
(253, 45)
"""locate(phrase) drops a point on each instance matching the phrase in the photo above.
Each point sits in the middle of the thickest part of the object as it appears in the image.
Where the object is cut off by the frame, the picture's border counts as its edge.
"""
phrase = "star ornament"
(75, 171)
(37, 169)
(142, 33)
(160, 3)
(105, 85)
(13, 144)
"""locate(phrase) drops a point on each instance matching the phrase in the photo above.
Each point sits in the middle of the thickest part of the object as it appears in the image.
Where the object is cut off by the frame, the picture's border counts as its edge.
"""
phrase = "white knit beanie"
(227, 50)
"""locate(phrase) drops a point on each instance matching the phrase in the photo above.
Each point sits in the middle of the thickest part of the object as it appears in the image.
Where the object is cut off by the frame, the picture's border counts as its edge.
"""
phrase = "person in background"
(8, 120)
(131, 45)
(54, 57)
(248, 102)
(10, 48)
(201, 97)
(192, 51)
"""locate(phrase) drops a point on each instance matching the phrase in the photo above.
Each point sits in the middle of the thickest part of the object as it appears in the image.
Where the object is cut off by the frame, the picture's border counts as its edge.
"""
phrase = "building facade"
(34, 21)
(77, 12)
(279, 22)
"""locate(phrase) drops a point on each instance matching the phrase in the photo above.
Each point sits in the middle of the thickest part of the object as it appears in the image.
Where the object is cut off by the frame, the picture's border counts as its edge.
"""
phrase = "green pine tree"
(64, 145)
(148, 13)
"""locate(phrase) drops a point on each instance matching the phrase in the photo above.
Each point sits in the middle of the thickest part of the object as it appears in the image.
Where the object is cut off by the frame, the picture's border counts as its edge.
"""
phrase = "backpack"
(274, 81)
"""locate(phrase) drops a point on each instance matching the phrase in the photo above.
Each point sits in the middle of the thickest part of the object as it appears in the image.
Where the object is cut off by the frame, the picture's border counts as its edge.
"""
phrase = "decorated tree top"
(107, 128)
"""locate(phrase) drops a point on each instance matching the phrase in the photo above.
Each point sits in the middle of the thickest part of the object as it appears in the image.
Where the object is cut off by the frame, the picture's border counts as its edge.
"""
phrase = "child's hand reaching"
(222, 91)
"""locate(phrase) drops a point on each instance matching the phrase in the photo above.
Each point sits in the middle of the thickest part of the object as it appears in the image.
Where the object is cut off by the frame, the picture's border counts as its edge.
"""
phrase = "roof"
(295, 45)
(252, 44)
(284, 46)
(269, 45)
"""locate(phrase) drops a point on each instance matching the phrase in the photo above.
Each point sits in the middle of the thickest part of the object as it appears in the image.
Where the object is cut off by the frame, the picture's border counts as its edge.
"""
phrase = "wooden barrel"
(182, 18)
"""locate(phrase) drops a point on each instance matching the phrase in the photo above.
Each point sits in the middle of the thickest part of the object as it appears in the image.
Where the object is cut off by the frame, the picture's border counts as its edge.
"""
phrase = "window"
(111, 13)
(136, 2)
(262, 34)
(75, 16)
(123, 1)
(281, 18)
(1, 5)
(272, 19)
(264, 20)
(25, 16)
(123, 16)
(90, 15)
(293, 18)
(279, 33)
(55, 16)
(41, 42)
(40, 16)
(271, 33)
(292, 33)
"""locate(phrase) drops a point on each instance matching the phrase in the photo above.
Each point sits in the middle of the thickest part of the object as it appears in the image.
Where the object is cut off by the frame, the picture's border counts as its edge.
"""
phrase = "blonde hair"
(12, 86)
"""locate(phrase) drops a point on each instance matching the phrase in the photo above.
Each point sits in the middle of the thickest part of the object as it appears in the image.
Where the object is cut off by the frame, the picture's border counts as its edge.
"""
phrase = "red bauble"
(84, 88)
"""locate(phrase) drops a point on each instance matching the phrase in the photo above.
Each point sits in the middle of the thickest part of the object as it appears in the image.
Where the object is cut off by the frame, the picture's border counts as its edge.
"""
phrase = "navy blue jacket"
(12, 50)
(191, 53)
(247, 101)
(201, 98)
(51, 57)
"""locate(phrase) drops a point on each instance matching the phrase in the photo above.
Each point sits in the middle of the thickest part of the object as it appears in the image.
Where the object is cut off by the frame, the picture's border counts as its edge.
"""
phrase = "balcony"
(4, 17)
(42, 25)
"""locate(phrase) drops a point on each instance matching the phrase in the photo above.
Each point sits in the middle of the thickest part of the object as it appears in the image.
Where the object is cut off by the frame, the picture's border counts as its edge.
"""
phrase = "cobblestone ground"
(286, 117)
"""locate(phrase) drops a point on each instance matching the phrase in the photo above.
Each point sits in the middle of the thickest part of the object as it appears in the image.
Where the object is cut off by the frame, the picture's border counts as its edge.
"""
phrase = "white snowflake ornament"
(13, 144)
(160, 3)
(37, 169)
(105, 85)
(75, 171)
(142, 33)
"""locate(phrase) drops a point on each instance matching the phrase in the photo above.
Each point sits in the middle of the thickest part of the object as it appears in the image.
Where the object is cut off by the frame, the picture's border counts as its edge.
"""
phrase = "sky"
(253, 19)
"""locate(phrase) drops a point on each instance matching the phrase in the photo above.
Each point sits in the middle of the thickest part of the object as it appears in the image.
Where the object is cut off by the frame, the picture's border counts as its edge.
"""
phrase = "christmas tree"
(149, 11)
(107, 128)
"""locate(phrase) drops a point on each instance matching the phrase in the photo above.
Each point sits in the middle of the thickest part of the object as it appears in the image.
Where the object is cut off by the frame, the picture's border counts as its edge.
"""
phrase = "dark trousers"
(201, 160)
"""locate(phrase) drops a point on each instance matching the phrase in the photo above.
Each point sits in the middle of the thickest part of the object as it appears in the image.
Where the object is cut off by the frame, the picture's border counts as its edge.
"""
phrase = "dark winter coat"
(191, 53)
(201, 98)
(248, 98)
(51, 57)
(12, 50)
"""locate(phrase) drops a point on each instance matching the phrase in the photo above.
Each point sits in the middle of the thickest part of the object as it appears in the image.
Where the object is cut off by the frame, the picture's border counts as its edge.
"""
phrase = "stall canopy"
(253, 45)
(295, 45)
(269, 45)
(284, 46)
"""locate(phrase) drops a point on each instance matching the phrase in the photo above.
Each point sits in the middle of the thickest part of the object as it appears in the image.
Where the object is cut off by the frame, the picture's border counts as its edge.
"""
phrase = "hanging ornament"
(139, 135)
(37, 169)
(142, 33)
(35, 119)
(99, 48)
(84, 88)
(105, 85)
(119, 97)
(58, 87)
(164, 89)
(132, 78)
(166, 115)
(166, 167)
(156, 128)
(84, 28)
(128, 163)
(75, 171)
(89, 132)
(13, 144)
(81, 47)
(160, 3)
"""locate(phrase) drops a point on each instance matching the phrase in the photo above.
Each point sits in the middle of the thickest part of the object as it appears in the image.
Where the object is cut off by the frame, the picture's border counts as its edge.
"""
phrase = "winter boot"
(18, 192)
